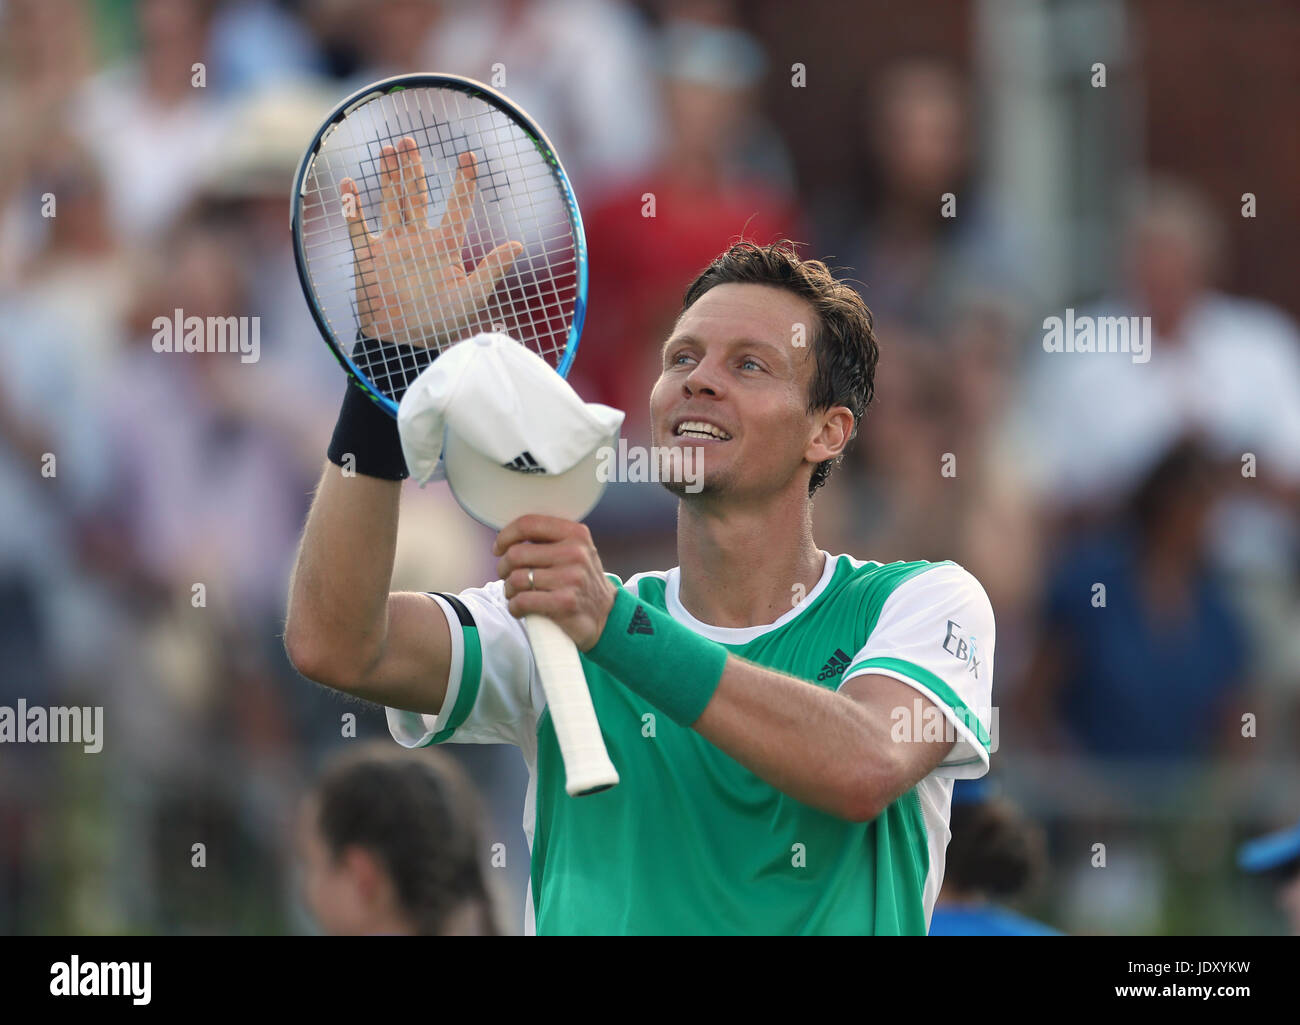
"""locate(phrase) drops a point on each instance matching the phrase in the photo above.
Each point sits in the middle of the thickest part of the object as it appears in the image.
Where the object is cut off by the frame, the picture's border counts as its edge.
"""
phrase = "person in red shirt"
(722, 176)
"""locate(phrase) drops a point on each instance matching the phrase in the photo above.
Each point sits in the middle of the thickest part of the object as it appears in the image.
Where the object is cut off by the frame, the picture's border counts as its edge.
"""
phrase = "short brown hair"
(844, 340)
(993, 851)
(418, 813)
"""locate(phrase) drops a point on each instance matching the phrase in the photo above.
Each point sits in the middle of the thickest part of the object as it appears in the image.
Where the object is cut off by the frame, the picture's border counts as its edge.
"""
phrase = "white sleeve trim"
(957, 764)
(417, 729)
(940, 624)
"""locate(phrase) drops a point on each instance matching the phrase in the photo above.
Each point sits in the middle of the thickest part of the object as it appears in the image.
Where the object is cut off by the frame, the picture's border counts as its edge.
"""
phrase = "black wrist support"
(369, 435)
(364, 430)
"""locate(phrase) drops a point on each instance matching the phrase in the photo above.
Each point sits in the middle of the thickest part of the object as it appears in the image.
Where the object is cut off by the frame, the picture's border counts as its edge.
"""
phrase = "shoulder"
(942, 579)
(943, 599)
(912, 587)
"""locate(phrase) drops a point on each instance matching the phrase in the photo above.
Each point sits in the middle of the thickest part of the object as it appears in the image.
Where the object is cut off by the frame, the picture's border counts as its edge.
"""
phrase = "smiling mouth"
(701, 431)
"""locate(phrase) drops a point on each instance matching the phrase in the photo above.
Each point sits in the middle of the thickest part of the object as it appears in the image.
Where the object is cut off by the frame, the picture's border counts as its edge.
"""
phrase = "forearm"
(800, 738)
(816, 745)
(338, 602)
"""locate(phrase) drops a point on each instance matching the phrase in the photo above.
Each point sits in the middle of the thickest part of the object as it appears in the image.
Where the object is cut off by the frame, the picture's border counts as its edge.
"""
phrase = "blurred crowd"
(1134, 523)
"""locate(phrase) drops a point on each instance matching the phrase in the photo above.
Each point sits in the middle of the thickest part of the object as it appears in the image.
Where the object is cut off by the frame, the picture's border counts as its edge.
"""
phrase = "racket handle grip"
(587, 768)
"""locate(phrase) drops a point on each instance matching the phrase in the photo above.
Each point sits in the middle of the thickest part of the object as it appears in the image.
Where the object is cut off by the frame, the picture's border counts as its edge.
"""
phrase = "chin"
(711, 488)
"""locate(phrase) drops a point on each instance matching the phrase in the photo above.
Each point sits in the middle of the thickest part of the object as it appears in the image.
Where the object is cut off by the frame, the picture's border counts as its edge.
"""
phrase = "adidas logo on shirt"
(524, 463)
(640, 622)
(835, 665)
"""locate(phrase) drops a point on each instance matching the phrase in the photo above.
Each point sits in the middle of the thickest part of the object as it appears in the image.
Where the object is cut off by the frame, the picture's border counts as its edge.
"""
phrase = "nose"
(704, 379)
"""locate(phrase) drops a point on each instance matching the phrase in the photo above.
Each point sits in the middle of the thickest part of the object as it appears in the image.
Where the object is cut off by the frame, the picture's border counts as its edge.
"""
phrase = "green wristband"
(668, 664)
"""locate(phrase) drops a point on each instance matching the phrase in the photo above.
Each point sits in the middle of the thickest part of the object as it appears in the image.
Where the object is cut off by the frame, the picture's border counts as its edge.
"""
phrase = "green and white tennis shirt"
(691, 841)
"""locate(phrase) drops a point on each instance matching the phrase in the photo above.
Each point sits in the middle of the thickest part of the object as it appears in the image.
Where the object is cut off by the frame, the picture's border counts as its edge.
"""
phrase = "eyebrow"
(730, 343)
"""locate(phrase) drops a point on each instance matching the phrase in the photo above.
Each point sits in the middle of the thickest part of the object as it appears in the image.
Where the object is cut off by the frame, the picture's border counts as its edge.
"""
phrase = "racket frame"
(475, 90)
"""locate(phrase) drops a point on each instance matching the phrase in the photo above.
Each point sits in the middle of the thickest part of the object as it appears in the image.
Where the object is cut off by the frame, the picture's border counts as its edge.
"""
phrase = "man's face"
(739, 362)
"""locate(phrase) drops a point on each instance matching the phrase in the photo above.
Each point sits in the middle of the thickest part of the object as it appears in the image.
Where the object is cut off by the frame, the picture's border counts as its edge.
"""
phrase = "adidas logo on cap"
(524, 463)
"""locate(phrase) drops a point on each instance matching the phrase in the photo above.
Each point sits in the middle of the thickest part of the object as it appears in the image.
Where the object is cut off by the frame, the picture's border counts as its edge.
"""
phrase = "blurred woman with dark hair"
(995, 854)
(391, 842)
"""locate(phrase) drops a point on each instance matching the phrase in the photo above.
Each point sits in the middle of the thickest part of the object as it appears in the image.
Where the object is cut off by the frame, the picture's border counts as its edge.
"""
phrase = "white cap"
(506, 431)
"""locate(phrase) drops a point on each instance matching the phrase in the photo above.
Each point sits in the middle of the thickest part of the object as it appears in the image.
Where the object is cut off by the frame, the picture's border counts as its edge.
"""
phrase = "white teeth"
(699, 429)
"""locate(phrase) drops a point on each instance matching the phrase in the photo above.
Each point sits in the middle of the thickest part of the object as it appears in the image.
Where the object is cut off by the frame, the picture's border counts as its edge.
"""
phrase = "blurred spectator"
(580, 68)
(391, 843)
(46, 53)
(1095, 423)
(930, 475)
(259, 44)
(649, 240)
(52, 476)
(204, 494)
(295, 389)
(149, 124)
(1146, 668)
(917, 264)
(81, 273)
(1092, 425)
(994, 855)
(366, 40)
(54, 471)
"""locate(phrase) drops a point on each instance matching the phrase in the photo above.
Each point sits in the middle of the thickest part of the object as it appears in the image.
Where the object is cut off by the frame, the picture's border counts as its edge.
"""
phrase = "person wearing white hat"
(786, 724)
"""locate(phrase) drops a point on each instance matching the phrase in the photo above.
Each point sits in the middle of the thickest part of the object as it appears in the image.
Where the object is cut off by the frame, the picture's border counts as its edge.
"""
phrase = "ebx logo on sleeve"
(962, 648)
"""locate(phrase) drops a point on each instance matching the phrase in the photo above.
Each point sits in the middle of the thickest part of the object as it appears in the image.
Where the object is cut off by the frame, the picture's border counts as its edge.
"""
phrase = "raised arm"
(344, 628)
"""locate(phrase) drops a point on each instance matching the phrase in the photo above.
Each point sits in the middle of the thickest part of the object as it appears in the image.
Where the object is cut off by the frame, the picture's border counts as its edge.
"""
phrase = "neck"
(744, 565)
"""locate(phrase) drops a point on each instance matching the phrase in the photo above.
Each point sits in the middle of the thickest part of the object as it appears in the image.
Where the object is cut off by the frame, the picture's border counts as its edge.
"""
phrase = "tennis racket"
(429, 209)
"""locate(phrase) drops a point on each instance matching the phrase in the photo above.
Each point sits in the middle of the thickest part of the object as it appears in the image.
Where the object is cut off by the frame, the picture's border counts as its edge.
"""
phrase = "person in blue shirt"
(994, 854)
(1150, 667)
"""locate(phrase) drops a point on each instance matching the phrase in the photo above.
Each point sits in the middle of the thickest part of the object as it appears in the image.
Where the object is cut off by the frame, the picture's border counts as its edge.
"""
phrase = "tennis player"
(787, 724)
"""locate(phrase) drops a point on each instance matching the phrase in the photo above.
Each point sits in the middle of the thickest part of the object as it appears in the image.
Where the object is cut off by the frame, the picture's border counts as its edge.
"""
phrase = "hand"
(411, 284)
(569, 586)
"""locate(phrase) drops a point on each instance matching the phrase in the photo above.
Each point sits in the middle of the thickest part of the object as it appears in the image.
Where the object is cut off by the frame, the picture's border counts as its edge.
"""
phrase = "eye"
(677, 360)
(750, 362)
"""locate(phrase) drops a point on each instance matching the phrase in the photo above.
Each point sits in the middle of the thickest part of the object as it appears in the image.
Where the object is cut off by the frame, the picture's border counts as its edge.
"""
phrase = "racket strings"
(518, 198)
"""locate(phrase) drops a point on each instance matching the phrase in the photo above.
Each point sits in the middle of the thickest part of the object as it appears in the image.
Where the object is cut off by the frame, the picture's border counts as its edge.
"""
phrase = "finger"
(390, 188)
(536, 528)
(490, 271)
(531, 555)
(355, 217)
(517, 581)
(460, 206)
(554, 605)
(527, 603)
(415, 190)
